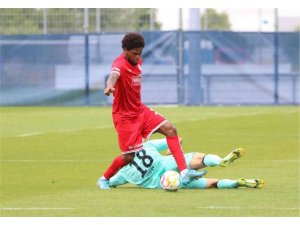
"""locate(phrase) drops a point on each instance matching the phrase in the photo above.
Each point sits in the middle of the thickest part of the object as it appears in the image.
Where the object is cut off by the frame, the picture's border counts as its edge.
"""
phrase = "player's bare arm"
(111, 82)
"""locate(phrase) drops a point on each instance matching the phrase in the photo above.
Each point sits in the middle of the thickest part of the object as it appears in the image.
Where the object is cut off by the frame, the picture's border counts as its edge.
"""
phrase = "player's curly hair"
(133, 40)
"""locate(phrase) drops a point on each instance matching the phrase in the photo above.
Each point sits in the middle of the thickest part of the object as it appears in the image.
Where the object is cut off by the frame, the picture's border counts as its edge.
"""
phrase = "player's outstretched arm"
(158, 144)
(111, 82)
(117, 180)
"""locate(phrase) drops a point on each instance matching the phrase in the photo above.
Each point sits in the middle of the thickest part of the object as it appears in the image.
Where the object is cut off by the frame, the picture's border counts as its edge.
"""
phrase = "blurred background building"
(192, 56)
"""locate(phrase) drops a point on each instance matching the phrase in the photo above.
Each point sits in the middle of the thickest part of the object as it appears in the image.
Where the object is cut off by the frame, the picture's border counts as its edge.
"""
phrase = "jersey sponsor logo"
(135, 146)
(136, 80)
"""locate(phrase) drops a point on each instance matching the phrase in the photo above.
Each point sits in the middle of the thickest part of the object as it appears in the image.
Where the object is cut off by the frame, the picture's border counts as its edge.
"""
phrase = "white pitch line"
(54, 160)
(37, 208)
(246, 208)
(107, 160)
(210, 116)
(218, 116)
(279, 160)
(61, 131)
(81, 129)
(30, 134)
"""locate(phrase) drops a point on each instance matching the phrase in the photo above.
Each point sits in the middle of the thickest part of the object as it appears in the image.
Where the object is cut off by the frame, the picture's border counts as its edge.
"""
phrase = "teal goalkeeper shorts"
(170, 163)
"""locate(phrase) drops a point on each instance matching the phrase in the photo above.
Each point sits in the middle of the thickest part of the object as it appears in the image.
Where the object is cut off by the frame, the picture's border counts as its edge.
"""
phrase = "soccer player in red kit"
(132, 119)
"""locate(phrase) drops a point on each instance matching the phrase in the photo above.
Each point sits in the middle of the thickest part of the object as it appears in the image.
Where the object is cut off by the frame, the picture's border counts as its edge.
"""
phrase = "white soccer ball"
(171, 181)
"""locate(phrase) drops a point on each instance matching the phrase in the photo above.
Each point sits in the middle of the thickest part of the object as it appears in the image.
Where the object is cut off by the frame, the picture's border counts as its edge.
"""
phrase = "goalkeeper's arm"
(160, 144)
(117, 180)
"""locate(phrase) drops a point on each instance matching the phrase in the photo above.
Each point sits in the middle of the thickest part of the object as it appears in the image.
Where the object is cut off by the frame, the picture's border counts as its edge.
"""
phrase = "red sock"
(114, 167)
(175, 148)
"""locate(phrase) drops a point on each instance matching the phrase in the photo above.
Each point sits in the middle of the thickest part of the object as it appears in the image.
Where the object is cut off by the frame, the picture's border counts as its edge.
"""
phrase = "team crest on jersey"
(136, 80)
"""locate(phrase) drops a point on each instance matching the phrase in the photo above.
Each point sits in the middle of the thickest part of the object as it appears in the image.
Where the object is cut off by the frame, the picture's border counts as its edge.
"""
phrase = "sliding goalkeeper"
(149, 165)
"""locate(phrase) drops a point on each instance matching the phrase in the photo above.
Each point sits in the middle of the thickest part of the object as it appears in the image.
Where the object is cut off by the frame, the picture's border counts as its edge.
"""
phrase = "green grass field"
(51, 159)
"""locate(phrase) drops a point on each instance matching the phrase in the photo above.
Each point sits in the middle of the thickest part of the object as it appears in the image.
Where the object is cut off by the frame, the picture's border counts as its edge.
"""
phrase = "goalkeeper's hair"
(133, 40)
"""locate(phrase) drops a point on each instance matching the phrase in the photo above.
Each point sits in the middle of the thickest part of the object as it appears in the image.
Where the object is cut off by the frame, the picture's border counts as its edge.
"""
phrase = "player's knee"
(170, 130)
(211, 183)
(197, 161)
(173, 131)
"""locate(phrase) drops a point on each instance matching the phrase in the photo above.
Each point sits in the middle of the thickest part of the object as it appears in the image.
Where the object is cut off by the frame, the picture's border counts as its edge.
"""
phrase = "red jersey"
(127, 96)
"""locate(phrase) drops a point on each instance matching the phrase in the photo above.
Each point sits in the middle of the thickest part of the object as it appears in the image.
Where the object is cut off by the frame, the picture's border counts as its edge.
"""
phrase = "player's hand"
(109, 90)
(202, 173)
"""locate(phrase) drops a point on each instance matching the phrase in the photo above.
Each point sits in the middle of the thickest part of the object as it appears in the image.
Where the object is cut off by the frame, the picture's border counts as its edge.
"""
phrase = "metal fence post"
(194, 54)
(45, 21)
(86, 55)
(180, 72)
(276, 61)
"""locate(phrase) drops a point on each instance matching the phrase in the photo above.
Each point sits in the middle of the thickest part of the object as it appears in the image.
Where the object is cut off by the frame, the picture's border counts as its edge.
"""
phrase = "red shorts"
(131, 131)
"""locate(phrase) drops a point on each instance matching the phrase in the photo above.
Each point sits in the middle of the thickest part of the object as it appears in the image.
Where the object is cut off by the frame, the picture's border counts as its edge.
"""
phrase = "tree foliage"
(71, 20)
(212, 20)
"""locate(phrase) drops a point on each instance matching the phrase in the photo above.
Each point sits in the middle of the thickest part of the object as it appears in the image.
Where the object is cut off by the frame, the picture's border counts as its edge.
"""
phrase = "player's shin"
(116, 164)
(226, 183)
(198, 184)
(175, 148)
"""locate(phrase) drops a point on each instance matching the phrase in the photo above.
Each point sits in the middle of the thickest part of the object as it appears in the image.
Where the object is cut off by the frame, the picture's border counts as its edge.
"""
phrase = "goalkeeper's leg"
(232, 156)
(204, 183)
(249, 183)
(201, 160)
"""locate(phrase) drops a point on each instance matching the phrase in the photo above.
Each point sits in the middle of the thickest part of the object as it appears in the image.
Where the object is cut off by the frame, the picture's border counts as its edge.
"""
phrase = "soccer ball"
(171, 181)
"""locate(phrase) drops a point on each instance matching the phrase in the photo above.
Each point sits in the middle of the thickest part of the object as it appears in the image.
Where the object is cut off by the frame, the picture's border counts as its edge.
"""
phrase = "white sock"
(103, 178)
(183, 172)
